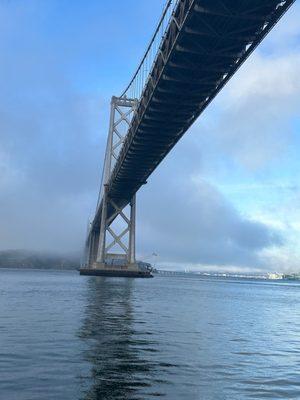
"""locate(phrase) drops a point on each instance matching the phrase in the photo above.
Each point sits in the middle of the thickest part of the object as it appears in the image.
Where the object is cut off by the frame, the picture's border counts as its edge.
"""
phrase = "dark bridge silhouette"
(197, 47)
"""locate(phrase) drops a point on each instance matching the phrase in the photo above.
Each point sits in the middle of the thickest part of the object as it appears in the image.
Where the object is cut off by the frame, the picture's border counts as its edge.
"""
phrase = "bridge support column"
(131, 255)
(87, 252)
(95, 245)
(91, 248)
(102, 234)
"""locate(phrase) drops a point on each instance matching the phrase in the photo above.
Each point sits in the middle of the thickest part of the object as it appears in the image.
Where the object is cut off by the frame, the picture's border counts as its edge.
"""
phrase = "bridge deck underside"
(205, 44)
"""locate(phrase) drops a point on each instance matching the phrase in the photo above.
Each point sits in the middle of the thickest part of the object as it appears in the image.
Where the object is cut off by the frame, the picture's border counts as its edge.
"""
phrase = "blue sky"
(233, 177)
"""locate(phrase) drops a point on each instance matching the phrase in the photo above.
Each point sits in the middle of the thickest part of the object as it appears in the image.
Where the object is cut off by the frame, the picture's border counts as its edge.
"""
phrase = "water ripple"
(63, 336)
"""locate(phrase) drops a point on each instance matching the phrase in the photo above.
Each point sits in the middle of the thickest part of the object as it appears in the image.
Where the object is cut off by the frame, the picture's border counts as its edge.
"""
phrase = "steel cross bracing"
(202, 45)
(98, 245)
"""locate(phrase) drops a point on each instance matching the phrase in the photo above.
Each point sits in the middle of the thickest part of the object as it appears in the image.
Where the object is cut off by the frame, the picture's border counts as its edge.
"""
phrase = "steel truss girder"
(226, 14)
(175, 37)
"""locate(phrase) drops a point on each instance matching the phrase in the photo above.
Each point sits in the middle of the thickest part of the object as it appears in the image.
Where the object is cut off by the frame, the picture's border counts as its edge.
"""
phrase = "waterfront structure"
(197, 47)
(274, 276)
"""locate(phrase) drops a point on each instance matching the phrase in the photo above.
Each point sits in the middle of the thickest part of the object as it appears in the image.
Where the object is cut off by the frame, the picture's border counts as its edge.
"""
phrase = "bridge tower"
(106, 235)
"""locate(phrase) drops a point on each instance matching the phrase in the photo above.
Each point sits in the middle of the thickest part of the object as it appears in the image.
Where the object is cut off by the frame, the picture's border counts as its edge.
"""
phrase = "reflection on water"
(190, 339)
(114, 348)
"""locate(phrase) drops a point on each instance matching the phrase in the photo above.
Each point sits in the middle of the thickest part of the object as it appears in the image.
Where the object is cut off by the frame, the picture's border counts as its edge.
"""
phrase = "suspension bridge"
(197, 46)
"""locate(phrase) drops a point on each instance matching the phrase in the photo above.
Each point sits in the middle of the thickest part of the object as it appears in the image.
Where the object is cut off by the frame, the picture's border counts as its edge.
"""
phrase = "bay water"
(68, 337)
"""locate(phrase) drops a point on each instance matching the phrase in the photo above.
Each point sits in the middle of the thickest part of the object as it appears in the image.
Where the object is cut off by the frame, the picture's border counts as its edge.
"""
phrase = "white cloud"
(267, 78)
(253, 124)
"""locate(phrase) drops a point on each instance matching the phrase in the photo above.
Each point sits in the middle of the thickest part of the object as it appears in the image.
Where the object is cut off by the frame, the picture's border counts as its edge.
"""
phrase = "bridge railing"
(135, 88)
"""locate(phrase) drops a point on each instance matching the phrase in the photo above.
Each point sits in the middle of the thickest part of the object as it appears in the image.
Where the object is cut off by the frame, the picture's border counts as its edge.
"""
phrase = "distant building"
(274, 275)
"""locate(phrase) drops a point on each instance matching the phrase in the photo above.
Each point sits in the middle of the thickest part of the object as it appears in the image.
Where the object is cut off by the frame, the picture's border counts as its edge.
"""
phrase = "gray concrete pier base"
(124, 271)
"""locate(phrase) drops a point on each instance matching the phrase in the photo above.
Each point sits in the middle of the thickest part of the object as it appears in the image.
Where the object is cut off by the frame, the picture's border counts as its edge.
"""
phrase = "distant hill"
(30, 259)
